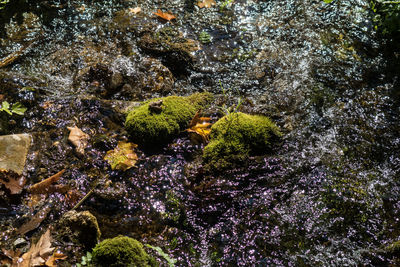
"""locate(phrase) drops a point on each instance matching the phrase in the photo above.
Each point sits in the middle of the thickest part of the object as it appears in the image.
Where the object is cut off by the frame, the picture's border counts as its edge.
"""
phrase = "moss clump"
(121, 251)
(151, 124)
(236, 136)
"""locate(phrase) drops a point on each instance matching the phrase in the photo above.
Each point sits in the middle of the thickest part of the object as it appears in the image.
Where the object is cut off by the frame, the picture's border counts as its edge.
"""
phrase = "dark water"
(328, 194)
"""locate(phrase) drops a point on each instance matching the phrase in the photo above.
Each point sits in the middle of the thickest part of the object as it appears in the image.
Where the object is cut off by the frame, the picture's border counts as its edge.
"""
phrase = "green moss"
(149, 127)
(236, 136)
(121, 251)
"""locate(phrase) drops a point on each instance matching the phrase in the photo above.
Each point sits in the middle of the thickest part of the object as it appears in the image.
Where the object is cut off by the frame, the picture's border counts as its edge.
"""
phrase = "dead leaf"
(12, 181)
(44, 186)
(122, 157)
(135, 10)
(78, 138)
(199, 129)
(164, 15)
(206, 3)
(38, 253)
(10, 257)
(72, 197)
(51, 262)
(34, 222)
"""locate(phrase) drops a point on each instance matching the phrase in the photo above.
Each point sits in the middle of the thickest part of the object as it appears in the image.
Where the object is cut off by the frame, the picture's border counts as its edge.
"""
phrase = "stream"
(327, 194)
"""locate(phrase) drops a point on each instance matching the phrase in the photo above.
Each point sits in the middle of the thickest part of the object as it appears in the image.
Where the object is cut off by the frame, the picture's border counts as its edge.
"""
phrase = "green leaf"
(328, 1)
(18, 108)
(171, 261)
(89, 256)
(5, 106)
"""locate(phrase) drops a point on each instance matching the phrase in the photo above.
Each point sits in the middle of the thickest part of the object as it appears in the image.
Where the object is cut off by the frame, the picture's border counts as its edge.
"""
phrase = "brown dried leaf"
(51, 262)
(34, 221)
(44, 186)
(38, 253)
(12, 181)
(123, 157)
(10, 257)
(135, 10)
(164, 15)
(72, 197)
(206, 3)
(78, 138)
(199, 129)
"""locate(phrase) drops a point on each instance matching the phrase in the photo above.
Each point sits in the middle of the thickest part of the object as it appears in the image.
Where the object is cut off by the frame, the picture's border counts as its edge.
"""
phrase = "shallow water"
(327, 195)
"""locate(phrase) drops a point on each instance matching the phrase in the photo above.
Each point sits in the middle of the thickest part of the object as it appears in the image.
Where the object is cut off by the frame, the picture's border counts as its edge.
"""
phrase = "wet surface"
(327, 195)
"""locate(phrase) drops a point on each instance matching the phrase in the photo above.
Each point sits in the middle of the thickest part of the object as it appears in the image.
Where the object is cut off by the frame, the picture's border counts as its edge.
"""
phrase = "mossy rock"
(159, 120)
(80, 228)
(121, 251)
(236, 136)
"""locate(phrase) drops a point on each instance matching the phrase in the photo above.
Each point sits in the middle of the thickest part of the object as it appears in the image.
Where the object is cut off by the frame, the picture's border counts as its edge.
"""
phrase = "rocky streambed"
(325, 193)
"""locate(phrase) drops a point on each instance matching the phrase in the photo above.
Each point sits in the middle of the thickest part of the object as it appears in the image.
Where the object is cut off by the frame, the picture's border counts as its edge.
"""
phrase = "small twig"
(83, 199)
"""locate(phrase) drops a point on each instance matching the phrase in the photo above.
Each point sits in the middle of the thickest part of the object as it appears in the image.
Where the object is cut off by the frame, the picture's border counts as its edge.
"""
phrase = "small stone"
(156, 106)
(116, 80)
(20, 243)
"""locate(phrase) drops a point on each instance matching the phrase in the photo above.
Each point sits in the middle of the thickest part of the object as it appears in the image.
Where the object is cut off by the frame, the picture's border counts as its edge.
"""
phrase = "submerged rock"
(80, 228)
(236, 136)
(157, 122)
(175, 50)
(121, 251)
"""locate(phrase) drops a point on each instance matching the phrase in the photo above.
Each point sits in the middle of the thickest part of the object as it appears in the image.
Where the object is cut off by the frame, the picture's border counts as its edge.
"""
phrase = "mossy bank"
(159, 120)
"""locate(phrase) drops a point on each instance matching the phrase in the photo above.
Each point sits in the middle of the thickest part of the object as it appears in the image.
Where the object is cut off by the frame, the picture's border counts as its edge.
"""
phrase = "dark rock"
(80, 228)
(156, 106)
(174, 50)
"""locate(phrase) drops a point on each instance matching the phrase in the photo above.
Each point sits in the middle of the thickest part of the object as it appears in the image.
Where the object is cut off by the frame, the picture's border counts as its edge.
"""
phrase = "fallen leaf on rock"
(122, 157)
(164, 15)
(38, 253)
(78, 138)
(34, 222)
(51, 262)
(199, 129)
(135, 10)
(45, 186)
(206, 3)
(12, 181)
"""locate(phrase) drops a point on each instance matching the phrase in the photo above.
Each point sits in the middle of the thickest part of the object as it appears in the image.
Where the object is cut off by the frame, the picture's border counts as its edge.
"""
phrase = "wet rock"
(127, 22)
(79, 228)
(13, 150)
(156, 78)
(174, 50)
(116, 80)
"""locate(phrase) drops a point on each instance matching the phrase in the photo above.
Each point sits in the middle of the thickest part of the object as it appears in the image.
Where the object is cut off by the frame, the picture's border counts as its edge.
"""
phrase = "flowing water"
(327, 195)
